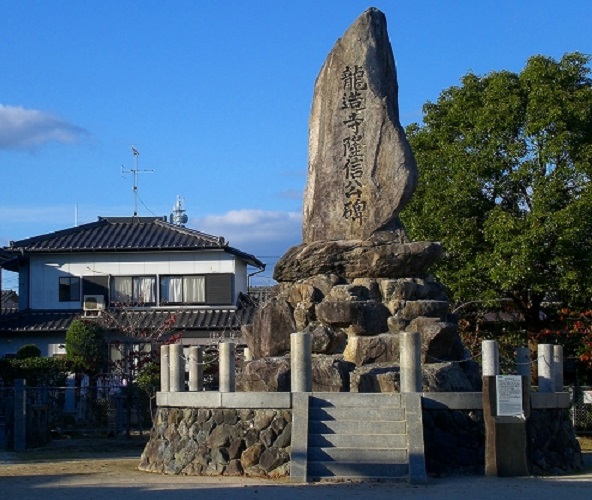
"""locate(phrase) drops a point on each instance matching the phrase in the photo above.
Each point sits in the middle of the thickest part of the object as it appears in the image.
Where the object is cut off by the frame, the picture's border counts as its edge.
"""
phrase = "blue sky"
(215, 96)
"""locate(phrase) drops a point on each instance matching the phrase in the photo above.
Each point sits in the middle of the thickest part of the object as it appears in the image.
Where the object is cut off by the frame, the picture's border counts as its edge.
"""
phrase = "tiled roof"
(185, 319)
(122, 234)
(9, 300)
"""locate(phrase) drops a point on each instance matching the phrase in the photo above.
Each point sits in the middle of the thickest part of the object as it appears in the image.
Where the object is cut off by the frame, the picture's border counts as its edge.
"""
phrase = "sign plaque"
(509, 395)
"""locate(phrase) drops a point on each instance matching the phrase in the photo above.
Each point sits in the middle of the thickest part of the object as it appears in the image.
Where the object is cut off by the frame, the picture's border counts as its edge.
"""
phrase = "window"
(212, 289)
(183, 290)
(133, 289)
(95, 285)
(69, 289)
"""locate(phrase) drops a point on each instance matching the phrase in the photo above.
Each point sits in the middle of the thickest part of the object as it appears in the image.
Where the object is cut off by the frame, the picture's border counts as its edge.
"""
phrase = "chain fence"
(581, 409)
(75, 412)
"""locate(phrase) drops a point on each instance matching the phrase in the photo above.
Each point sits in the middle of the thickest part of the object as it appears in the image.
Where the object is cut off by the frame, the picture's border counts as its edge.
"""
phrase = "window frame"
(211, 289)
(163, 277)
(72, 286)
(133, 299)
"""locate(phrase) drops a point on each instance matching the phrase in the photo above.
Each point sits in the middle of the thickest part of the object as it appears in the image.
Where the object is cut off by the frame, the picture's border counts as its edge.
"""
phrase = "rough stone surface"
(327, 339)
(363, 350)
(357, 259)
(330, 373)
(552, 446)
(271, 328)
(376, 377)
(446, 377)
(437, 377)
(412, 309)
(454, 441)
(265, 375)
(203, 447)
(438, 338)
(361, 170)
(359, 317)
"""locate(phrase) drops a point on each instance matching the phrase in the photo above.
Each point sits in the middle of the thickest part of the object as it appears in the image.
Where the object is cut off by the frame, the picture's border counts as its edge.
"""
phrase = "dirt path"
(108, 471)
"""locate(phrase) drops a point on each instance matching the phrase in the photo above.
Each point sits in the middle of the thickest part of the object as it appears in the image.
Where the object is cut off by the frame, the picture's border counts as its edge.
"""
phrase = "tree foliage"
(86, 347)
(37, 371)
(505, 162)
(28, 351)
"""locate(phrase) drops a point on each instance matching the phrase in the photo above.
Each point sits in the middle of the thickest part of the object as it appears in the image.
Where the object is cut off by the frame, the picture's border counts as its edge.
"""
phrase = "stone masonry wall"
(216, 442)
(455, 442)
(236, 442)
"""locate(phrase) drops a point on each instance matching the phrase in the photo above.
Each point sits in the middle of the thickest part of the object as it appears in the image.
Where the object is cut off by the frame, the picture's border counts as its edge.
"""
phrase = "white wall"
(45, 270)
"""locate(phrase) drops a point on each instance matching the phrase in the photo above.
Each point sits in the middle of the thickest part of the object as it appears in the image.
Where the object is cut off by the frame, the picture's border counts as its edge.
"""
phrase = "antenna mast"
(135, 171)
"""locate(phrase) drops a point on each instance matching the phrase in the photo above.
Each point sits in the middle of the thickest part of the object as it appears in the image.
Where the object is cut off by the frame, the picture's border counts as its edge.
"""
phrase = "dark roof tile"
(124, 234)
(185, 319)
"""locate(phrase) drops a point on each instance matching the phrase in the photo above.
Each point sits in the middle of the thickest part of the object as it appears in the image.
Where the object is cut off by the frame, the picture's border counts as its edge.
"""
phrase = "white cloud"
(22, 128)
(260, 232)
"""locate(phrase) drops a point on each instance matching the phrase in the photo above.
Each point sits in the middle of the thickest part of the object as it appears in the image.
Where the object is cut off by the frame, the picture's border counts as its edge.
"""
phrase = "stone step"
(317, 470)
(365, 414)
(361, 441)
(356, 427)
(358, 455)
(355, 399)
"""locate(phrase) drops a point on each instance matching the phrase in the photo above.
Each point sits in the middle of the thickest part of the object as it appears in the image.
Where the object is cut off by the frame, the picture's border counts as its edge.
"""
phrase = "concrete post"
(20, 415)
(226, 366)
(490, 358)
(247, 354)
(558, 366)
(523, 362)
(410, 362)
(70, 396)
(301, 362)
(177, 371)
(546, 368)
(195, 368)
(164, 368)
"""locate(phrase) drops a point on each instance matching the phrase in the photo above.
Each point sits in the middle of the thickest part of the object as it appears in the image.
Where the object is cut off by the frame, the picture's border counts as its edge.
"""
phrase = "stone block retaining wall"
(454, 442)
(221, 441)
(212, 435)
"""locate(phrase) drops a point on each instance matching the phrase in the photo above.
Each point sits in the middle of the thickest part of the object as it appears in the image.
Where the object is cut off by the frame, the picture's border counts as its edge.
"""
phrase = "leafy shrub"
(86, 347)
(28, 351)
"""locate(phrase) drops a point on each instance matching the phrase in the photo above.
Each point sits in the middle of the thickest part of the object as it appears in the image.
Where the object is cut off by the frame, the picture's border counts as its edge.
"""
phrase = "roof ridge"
(58, 233)
(192, 232)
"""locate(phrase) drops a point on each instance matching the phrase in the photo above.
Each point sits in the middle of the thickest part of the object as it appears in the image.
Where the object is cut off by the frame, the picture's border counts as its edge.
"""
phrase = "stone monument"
(357, 281)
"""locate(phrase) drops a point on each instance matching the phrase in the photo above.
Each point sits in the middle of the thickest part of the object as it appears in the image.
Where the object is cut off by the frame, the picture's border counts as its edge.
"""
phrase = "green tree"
(86, 347)
(28, 351)
(505, 162)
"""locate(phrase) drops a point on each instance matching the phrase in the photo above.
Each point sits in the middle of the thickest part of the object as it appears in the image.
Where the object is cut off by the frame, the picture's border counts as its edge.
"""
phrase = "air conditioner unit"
(94, 303)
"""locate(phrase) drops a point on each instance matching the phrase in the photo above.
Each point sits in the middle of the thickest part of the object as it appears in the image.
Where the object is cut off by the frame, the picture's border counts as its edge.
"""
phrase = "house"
(8, 301)
(138, 275)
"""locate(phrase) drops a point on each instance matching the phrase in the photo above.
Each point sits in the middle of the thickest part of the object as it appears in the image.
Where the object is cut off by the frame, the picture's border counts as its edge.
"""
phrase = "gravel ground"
(99, 469)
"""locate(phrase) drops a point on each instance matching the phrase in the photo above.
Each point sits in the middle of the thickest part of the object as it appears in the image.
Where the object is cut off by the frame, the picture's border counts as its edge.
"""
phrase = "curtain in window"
(171, 289)
(144, 290)
(121, 289)
(194, 289)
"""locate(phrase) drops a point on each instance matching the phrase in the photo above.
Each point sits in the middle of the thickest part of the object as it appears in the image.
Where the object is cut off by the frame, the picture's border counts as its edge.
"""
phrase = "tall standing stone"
(361, 169)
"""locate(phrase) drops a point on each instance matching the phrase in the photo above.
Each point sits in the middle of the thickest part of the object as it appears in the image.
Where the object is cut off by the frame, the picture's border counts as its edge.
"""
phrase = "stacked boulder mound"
(357, 281)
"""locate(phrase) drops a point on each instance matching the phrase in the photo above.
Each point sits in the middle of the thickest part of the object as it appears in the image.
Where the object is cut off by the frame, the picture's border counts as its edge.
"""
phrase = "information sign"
(509, 395)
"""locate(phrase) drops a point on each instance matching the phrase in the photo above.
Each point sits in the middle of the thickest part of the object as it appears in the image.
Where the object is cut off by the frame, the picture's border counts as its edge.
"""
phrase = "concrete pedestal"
(505, 437)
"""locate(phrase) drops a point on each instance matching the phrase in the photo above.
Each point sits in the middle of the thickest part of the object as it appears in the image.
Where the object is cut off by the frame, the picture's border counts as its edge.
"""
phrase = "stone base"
(357, 259)
(219, 442)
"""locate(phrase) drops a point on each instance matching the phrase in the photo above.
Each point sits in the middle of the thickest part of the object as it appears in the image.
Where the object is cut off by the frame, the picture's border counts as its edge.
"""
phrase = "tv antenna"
(135, 171)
